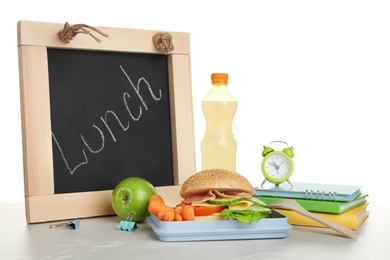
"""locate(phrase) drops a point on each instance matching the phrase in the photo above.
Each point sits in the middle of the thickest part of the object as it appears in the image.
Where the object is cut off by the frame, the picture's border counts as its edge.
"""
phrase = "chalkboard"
(110, 119)
(96, 112)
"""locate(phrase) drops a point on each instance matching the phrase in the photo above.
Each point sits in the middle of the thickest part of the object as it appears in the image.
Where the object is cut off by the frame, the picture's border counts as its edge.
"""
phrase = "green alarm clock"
(277, 166)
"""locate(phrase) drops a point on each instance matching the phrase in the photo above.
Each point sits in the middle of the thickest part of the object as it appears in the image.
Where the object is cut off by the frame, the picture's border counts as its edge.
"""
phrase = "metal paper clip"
(127, 225)
(72, 224)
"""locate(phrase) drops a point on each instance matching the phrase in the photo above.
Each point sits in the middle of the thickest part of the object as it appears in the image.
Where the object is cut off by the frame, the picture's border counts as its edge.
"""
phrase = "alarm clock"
(277, 166)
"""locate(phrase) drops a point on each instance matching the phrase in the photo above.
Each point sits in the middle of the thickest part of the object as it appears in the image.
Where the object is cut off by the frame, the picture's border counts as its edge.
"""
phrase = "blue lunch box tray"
(275, 226)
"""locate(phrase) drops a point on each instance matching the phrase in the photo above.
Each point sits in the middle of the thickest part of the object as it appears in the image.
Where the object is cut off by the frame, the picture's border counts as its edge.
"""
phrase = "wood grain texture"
(182, 125)
(36, 126)
(47, 208)
(119, 39)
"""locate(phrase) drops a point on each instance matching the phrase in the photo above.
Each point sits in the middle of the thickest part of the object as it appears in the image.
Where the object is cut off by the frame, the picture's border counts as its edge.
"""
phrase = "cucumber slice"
(258, 202)
(260, 208)
(253, 208)
(225, 202)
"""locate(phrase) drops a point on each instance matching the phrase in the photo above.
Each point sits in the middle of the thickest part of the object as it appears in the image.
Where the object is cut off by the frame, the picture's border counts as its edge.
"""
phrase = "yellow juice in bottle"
(219, 146)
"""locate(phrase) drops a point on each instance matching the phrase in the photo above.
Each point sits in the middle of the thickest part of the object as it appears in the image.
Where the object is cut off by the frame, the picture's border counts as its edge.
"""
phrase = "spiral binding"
(320, 195)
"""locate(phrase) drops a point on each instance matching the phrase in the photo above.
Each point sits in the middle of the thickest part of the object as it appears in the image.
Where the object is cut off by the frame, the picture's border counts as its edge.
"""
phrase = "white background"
(315, 74)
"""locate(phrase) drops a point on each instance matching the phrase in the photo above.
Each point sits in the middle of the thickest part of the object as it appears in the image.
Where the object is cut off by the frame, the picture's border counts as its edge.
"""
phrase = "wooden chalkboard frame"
(41, 203)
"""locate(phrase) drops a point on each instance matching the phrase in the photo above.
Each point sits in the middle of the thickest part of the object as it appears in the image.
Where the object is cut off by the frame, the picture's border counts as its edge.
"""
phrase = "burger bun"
(215, 179)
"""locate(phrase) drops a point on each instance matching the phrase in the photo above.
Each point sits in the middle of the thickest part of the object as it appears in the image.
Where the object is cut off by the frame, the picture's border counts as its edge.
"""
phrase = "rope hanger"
(162, 40)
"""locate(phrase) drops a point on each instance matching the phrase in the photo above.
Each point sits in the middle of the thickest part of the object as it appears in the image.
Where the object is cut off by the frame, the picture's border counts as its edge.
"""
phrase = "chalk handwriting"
(136, 88)
(71, 171)
(126, 98)
(119, 122)
(89, 148)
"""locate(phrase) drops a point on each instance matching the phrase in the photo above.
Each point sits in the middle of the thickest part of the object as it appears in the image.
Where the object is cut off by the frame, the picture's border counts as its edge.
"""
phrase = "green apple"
(130, 199)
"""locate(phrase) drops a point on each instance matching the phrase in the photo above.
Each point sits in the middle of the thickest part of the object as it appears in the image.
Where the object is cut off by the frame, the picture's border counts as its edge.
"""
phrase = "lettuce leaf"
(244, 216)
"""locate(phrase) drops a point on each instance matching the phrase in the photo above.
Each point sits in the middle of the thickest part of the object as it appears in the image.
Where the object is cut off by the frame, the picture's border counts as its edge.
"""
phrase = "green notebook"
(325, 206)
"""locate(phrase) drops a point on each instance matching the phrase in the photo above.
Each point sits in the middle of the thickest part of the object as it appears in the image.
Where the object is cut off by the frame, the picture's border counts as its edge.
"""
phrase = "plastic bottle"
(218, 147)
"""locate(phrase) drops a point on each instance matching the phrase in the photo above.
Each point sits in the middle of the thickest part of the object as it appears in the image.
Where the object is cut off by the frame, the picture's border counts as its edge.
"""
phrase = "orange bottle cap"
(219, 78)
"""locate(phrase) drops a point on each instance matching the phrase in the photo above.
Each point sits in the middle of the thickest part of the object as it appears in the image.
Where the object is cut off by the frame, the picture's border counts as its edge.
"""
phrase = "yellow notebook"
(351, 219)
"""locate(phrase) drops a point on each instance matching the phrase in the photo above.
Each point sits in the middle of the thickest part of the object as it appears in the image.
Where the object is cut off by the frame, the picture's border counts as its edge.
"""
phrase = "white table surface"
(97, 238)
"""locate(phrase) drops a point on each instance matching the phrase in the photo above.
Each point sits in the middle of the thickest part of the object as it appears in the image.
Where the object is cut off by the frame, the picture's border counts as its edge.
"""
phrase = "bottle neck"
(219, 88)
(218, 84)
(219, 93)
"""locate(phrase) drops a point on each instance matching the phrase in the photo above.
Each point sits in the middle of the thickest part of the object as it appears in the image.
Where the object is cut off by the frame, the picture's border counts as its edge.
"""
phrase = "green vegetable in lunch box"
(247, 216)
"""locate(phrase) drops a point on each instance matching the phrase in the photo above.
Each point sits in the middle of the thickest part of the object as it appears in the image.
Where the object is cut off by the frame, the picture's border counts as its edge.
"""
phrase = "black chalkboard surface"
(110, 119)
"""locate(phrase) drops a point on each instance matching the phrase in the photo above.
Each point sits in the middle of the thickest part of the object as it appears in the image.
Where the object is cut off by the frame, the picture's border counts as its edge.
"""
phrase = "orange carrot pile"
(164, 212)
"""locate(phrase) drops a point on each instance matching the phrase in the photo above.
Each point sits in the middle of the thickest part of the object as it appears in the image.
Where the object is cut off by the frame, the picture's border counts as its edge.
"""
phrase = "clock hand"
(274, 165)
(281, 163)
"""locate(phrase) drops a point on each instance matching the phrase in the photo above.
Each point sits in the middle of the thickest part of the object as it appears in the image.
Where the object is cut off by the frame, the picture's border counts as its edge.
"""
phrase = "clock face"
(277, 167)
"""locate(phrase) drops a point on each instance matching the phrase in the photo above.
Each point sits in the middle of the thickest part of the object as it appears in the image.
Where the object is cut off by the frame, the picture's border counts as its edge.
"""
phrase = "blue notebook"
(313, 191)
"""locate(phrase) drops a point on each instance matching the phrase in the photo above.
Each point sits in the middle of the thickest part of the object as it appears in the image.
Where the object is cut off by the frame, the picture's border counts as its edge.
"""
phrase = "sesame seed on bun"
(215, 179)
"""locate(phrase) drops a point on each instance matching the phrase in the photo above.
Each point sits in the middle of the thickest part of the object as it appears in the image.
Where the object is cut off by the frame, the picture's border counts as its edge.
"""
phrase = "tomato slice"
(206, 211)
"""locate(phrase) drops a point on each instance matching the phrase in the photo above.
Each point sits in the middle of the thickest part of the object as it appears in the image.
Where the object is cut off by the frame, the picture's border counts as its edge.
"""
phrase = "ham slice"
(231, 194)
(212, 194)
(201, 197)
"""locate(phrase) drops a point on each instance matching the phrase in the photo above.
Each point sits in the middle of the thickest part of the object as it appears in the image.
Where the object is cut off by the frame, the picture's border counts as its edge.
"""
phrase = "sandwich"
(217, 194)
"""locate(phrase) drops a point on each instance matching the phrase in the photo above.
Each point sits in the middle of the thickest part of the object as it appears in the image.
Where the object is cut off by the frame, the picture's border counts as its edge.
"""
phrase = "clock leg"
(264, 182)
(289, 182)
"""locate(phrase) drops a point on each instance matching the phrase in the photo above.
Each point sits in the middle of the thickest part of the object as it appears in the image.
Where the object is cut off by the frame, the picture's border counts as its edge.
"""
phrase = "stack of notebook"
(345, 205)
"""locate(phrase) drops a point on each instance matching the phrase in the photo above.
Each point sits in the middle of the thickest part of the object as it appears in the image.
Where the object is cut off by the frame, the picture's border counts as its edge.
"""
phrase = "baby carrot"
(155, 207)
(156, 197)
(188, 213)
(179, 210)
(178, 217)
(166, 215)
(160, 215)
(169, 215)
